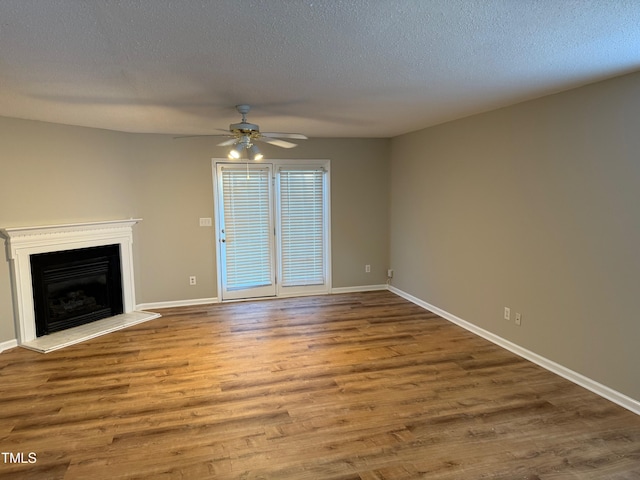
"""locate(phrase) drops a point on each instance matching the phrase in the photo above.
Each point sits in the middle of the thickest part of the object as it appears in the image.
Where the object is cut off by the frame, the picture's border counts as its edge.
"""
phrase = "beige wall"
(535, 207)
(58, 174)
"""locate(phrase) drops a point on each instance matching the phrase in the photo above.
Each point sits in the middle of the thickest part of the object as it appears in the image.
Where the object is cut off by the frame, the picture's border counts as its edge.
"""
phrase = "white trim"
(577, 378)
(8, 345)
(360, 288)
(177, 303)
(207, 301)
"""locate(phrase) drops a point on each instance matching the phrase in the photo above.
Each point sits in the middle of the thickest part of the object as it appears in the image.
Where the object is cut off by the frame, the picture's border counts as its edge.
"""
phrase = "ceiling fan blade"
(298, 136)
(205, 135)
(231, 141)
(276, 142)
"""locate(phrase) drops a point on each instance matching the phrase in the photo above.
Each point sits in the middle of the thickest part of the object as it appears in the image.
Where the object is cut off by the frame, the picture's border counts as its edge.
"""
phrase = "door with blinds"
(246, 239)
(273, 229)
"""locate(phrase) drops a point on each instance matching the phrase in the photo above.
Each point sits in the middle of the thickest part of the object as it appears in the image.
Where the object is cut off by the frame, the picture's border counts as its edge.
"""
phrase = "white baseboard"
(361, 288)
(177, 303)
(8, 344)
(577, 378)
(206, 301)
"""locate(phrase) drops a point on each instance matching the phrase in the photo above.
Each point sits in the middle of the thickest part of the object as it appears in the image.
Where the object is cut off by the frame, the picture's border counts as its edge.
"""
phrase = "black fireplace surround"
(74, 287)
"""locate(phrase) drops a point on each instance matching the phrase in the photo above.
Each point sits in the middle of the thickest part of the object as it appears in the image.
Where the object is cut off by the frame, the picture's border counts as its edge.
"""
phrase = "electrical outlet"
(192, 280)
(390, 273)
(367, 268)
(518, 319)
(507, 313)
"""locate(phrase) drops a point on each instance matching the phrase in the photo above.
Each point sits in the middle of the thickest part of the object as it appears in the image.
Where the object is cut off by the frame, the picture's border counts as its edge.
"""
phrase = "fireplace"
(83, 271)
(74, 287)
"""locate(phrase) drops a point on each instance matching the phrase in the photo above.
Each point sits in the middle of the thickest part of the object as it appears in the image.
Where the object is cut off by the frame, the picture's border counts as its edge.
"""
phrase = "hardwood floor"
(358, 386)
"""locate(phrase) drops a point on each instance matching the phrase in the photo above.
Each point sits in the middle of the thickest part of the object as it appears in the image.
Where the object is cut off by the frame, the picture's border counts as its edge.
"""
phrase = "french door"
(246, 240)
(272, 229)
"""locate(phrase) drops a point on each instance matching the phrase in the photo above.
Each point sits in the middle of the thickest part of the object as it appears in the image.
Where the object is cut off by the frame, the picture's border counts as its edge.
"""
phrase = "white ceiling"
(326, 68)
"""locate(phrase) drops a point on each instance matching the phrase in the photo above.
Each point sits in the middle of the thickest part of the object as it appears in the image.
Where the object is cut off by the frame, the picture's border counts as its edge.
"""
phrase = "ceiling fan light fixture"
(235, 153)
(254, 153)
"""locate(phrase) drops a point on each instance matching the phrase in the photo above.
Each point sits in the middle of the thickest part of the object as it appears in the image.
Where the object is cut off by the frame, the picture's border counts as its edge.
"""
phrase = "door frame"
(276, 163)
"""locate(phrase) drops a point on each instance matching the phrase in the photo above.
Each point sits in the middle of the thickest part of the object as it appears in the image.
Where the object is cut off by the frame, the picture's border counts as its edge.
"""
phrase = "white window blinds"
(302, 226)
(247, 227)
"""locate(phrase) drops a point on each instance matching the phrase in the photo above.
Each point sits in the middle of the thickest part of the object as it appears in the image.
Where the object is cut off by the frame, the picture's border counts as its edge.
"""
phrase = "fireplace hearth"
(74, 287)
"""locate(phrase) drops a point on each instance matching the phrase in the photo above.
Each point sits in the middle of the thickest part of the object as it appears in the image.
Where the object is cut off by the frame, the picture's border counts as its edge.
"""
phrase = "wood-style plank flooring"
(352, 387)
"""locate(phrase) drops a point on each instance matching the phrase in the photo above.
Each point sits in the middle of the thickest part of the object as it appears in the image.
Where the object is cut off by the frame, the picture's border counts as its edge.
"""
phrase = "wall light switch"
(205, 222)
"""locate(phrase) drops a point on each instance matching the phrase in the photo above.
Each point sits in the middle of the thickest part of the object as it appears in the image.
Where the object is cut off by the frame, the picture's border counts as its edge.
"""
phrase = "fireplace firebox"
(75, 287)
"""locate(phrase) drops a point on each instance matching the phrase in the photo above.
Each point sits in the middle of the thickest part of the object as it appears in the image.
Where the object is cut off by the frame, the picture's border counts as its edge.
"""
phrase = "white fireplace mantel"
(21, 242)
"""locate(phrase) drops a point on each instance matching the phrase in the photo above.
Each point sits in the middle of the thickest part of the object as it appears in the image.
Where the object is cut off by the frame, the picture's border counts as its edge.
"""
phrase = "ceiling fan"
(244, 134)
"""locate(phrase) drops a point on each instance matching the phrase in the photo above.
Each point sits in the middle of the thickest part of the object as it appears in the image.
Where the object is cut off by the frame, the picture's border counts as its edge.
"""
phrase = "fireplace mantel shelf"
(73, 232)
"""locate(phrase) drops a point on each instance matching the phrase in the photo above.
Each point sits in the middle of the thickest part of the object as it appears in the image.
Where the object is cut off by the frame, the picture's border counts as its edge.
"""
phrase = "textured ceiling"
(326, 68)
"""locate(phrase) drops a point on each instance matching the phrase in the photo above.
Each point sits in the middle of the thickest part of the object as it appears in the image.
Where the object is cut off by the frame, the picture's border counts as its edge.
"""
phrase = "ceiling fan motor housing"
(244, 128)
